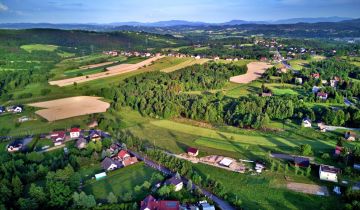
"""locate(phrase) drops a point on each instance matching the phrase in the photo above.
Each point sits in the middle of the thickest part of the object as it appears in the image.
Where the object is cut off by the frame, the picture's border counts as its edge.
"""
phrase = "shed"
(100, 176)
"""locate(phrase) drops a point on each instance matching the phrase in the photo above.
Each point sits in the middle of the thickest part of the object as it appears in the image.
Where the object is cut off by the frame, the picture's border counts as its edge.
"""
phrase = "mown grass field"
(266, 191)
(39, 47)
(120, 182)
(182, 63)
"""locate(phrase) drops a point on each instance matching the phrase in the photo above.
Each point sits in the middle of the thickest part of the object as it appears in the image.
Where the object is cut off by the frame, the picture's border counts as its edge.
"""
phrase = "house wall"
(326, 176)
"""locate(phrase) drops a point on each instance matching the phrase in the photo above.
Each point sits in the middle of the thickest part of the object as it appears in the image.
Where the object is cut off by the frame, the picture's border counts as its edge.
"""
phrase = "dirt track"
(308, 188)
(255, 70)
(112, 71)
(70, 107)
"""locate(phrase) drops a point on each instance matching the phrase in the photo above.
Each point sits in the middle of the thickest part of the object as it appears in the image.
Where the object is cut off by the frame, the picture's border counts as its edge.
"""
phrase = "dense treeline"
(160, 94)
(87, 40)
(164, 95)
(246, 52)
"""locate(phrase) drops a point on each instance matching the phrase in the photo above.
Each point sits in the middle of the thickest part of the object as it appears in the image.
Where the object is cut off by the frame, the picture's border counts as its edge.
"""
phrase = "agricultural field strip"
(112, 71)
(70, 107)
(184, 64)
(255, 70)
(232, 138)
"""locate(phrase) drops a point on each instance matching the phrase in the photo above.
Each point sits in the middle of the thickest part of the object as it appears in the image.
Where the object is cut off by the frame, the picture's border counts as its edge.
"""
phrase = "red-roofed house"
(58, 137)
(123, 154)
(75, 133)
(315, 75)
(192, 151)
(130, 161)
(322, 96)
(150, 203)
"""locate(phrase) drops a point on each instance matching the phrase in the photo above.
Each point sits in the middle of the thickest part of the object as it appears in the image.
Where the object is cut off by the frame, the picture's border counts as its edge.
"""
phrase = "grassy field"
(37, 126)
(182, 63)
(265, 191)
(39, 47)
(120, 182)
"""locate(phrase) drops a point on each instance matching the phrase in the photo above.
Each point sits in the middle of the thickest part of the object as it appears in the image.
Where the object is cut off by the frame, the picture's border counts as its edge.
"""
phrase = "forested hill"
(85, 39)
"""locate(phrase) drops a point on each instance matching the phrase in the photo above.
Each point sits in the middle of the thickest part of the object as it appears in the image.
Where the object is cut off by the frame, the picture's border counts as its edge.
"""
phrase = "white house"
(298, 80)
(75, 133)
(315, 89)
(306, 123)
(328, 173)
(14, 109)
(226, 162)
(177, 183)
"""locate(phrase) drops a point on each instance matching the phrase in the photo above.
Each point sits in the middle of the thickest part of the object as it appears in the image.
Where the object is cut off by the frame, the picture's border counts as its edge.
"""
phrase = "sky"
(214, 11)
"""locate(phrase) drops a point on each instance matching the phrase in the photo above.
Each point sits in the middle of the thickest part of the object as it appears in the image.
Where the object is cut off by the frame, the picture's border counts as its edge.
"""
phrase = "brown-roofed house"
(192, 151)
(130, 161)
(350, 136)
(150, 203)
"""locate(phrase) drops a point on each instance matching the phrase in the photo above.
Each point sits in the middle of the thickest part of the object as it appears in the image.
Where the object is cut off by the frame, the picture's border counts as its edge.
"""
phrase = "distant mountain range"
(170, 23)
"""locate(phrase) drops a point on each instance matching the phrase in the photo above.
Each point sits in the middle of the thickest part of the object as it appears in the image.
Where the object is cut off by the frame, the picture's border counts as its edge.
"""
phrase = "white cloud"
(3, 7)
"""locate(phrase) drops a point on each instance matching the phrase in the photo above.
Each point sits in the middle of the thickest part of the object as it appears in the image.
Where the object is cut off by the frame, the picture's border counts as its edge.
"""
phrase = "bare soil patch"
(70, 107)
(255, 70)
(308, 188)
(111, 71)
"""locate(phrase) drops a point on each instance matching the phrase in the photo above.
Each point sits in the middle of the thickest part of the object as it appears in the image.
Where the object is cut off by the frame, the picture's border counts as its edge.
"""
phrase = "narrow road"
(332, 128)
(224, 205)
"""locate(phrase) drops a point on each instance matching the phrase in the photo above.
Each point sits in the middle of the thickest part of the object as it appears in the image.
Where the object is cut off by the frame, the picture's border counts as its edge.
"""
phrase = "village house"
(15, 146)
(114, 148)
(14, 109)
(150, 203)
(263, 94)
(58, 137)
(322, 96)
(306, 122)
(123, 154)
(338, 150)
(315, 75)
(92, 124)
(298, 80)
(328, 173)
(75, 133)
(129, 161)
(81, 143)
(206, 206)
(177, 183)
(226, 162)
(94, 135)
(350, 136)
(109, 165)
(259, 167)
(192, 151)
(23, 119)
(333, 83)
(315, 89)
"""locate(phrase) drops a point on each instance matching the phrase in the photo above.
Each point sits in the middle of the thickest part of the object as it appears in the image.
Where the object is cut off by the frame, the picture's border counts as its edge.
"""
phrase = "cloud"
(3, 7)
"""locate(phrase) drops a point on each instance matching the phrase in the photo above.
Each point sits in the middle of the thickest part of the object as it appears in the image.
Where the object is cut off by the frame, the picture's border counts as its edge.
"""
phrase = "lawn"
(265, 191)
(234, 139)
(120, 182)
(39, 47)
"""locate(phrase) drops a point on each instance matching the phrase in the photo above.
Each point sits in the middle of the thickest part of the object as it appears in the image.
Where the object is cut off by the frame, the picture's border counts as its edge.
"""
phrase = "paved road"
(221, 203)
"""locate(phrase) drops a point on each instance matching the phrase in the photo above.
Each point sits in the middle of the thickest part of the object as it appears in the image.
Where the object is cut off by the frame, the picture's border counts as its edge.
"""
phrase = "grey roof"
(173, 181)
(106, 163)
(80, 141)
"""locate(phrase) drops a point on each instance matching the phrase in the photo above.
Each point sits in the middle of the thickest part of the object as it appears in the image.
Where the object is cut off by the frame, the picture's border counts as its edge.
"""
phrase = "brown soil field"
(112, 71)
(97, 65)
(307, 188)
(70, 107)
(255, 70)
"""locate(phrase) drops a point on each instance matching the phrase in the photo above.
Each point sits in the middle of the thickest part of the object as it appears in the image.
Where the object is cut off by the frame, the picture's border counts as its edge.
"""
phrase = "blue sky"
(108, 11)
